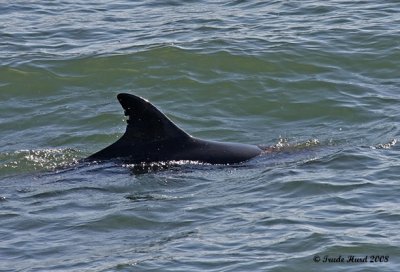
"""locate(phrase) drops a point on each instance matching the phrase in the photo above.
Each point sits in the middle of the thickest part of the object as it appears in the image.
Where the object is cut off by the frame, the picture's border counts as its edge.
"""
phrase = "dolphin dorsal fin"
(145, 122)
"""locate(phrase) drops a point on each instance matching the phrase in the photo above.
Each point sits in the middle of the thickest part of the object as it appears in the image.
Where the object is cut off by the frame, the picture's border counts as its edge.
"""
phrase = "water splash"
(284, 144)
(143, 168)
(23, 161)
(387, 145)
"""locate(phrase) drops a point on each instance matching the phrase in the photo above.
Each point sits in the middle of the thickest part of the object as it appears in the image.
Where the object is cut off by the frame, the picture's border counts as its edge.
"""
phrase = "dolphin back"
(151, 136)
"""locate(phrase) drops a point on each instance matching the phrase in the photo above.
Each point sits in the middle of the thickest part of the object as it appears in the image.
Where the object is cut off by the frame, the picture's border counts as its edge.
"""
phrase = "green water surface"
(316, 80)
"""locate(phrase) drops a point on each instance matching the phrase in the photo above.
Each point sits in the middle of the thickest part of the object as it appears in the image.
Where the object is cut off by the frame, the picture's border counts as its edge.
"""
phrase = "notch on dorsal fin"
(145, 122)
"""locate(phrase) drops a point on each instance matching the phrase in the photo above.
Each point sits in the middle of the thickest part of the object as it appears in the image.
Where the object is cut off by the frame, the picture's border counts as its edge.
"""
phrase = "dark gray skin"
(151, 137)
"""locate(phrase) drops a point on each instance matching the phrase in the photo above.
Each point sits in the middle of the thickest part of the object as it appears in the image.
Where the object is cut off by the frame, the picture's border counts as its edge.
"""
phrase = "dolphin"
(151, 137)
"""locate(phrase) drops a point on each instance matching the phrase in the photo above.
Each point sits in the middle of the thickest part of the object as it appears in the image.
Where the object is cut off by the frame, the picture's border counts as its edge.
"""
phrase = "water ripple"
(315, 81)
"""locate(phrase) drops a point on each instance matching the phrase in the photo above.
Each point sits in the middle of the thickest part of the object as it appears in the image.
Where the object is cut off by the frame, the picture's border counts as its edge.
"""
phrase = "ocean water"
(316, 80)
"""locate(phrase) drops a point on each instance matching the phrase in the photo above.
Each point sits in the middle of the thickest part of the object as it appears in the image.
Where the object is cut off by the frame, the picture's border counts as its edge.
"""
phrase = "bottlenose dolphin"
(151, 136)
